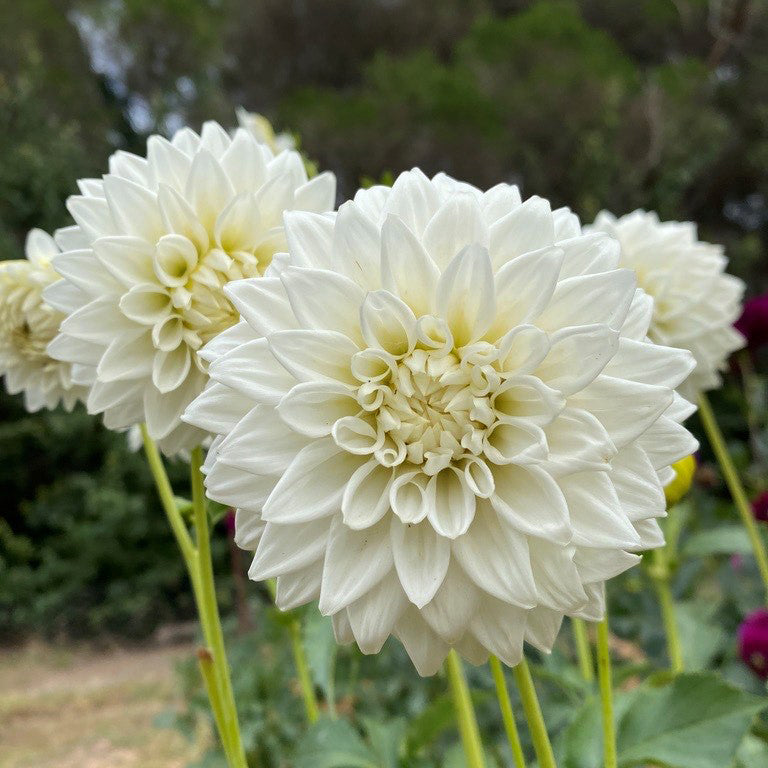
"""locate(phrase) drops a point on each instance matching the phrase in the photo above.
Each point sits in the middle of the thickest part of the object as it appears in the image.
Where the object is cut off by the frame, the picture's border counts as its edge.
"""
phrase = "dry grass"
(82, 709)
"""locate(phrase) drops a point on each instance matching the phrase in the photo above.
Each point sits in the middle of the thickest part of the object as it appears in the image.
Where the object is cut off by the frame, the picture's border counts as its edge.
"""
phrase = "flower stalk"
(532, 709)
(661, 576)
(465, 712)
(735, 487)
(583, 650)
(605, 678)
(197, 558)
(311, 706)
(507, 715)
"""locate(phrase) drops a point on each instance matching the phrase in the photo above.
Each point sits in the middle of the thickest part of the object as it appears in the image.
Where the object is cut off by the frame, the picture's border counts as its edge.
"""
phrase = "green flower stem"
(465, 712)
(300, 661)
(507, 715)
(210, 615)
(212, 659)
(536, 726)
(734, 486)
(661, 577)
(606, 695)
(583, 650)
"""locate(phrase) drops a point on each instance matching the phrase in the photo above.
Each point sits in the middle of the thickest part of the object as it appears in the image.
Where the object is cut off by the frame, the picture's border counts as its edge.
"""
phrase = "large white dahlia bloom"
(155, 242)
(695, 302)
(27, 325)
(441, 418)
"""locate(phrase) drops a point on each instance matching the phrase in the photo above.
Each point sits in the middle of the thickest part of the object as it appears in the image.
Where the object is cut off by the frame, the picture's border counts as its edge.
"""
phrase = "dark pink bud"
(753, 323)
(753, 642)
(760, 507)
(229, 522)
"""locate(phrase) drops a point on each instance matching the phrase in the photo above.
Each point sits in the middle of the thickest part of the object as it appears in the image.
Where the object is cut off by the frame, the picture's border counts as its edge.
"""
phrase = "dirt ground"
(76, 708)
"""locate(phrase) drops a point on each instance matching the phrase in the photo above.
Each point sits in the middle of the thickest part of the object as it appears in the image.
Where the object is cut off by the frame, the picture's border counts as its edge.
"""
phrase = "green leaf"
(696, 721)
(700, 637)
(333, 744)
(425, 728)
(320, 647)
(216, 511)
(387, 739)
(723, 540)
(753, 753)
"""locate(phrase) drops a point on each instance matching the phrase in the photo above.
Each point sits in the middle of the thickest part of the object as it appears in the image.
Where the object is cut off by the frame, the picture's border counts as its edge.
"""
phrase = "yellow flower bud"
(679, 487)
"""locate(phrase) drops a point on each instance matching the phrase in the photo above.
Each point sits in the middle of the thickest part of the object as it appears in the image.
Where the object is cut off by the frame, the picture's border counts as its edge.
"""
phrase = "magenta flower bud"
(753, 642)
(753, 323)
(760, 507)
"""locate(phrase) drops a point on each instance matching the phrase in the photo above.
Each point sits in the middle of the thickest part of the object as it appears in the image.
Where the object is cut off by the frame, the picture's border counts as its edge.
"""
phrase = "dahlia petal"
(366, 495)
(239, 334)
(450, 611)
(312, 408)
(318, 194)
(522, 349)
(421, 557)
(169, 369)
(315, 355)
(79, 268)
(588, 254)
(542, 626)
(466, 295)
(425, 649)
(355, 562)
(450, 503)
(166, 163)
(603, 298)
(651, 364)
(179, 217)
(99, 322)
(496, 559)
(532, 502)
(355, 249)
(92, 215)
(558, 580)
(524, 286)
(408, 497)
(244, 163)
(456, 225)
(313, 484)
(217, 409)
(578, 441)
(134, 209)
(263, 304)
(374, 615)
(310, 238)
(528, 227)
(299, 587)
(500, 628)
(577, 356)
(414, 200)
(128, 258)
(126, 359)
(324, 300)
(406, 269)
(287, 548)
(637, 484)
(597, 518)
(238, 226)
(248, 529)
(342, 629)
(208, 189)
(243, 490)
(388, 323)
(603, 565)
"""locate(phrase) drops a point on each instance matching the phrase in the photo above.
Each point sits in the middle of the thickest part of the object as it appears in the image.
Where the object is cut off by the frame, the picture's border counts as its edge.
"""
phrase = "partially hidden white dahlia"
(155, 242)
(441, 417)
(260, 127)
(27, 325)
(695, 302)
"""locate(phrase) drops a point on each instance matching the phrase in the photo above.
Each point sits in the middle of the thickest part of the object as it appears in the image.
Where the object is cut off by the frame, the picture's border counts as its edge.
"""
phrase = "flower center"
(31, 325)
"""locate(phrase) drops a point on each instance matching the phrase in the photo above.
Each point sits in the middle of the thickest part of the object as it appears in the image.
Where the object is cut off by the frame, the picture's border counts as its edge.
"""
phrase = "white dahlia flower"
(156, 241)
(695, 302)
(441, 417)
(27, 325)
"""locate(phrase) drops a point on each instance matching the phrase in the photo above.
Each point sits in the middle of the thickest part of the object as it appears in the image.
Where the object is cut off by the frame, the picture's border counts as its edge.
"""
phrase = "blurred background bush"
(660, 104)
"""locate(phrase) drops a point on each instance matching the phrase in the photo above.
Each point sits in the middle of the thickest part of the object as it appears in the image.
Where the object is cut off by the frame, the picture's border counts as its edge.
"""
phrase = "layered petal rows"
(695, 302)
(27, 325)
(155, 241)
(441, 417)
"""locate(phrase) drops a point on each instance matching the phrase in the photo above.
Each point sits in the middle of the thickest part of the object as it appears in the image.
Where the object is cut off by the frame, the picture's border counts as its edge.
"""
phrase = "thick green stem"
(197, 558)
(661, 576)
(210, 613)
(465, 712)
(536, 725)
(507, 715)
(731, 476)
(606, 695)
(583, 651)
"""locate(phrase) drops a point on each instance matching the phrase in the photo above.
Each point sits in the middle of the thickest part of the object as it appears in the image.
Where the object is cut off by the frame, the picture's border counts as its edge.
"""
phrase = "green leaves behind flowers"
(695, 721)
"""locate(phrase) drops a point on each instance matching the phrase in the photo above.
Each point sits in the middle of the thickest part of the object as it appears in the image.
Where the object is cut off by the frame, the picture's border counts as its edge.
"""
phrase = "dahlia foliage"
(695, 302)
(155, 241)
(442, 417)
(27, 325)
